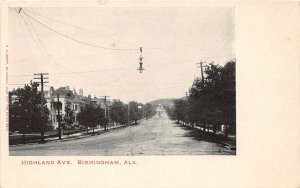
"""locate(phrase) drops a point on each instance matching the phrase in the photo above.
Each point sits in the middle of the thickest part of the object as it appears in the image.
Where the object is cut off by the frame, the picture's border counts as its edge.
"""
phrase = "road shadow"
(199, 135)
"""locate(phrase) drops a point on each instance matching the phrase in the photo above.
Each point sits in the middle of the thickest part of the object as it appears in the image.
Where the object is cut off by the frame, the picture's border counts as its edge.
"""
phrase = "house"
(66, 96)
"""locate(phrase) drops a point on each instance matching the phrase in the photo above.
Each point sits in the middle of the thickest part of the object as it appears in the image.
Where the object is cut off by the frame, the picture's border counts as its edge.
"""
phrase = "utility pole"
(58, 117)
(202, 76)
(42, 81)
(141, 61)
(108, 115)
(106, 111)
(128, 115)
(202, 84)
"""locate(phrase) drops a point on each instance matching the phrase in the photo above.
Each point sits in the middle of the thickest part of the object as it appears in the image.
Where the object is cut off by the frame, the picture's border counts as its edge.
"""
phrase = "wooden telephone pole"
(58, 106)
(128, 114)
(42, 81)
(202, 76)
(106, 112)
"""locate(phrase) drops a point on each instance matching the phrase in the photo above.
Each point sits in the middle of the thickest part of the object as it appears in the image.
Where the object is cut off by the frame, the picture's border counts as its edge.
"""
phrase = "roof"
(62, 91)
(79, 99)
(67, 93)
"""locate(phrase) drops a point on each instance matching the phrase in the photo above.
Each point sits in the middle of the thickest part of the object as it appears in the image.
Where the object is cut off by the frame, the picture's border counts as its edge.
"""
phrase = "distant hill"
(162, 102)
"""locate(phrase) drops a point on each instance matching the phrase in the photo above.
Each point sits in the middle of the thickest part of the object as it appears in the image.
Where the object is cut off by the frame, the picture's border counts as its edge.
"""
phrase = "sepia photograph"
(121, 81)
(164, 94)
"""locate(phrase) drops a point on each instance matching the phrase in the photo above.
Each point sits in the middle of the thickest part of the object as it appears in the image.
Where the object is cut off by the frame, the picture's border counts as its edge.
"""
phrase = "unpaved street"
(156, 136)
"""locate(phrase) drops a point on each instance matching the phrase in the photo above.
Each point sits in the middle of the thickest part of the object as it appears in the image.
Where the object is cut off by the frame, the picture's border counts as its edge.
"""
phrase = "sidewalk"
(84, 134)
(219, 138)
(74, 136)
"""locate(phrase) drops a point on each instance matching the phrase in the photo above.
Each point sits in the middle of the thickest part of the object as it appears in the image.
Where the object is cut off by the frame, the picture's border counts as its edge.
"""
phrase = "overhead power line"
(43, 49)
(73, 72)
(17, 84)
(21, 75)
(113, 69)
(70, 72)
(76, 40)
(92, 32)
(79, 28)
(85, 43)
(105, 36)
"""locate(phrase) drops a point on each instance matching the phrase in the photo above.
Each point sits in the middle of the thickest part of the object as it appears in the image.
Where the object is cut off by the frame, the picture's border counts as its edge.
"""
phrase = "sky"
(97, 49)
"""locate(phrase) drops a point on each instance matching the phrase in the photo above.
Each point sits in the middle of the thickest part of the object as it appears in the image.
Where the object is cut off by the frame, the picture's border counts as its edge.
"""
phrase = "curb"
(64, 139)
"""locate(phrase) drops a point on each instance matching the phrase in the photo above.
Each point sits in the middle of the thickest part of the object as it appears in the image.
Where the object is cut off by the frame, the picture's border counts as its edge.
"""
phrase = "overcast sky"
(173, 41)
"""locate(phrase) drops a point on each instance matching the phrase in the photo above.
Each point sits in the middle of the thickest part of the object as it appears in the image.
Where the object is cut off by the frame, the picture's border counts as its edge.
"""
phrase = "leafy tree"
(149, 110)
(170, 111)
(180, 106)
(118, 112)
(140, 111)
(229, 96)
(101, 117)
(69, 115)
(135, 113)
(28, 111)
(211, 102)
(91, 116)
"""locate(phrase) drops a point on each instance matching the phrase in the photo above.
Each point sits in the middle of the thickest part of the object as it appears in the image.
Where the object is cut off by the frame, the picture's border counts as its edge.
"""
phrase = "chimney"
(81, 92)
(51, 90)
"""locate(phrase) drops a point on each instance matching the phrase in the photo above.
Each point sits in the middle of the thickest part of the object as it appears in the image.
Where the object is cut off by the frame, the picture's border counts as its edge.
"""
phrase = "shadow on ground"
(208, 137)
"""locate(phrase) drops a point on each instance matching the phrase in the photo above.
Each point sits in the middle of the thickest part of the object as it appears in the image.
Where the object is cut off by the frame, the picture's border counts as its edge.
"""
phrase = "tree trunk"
(202, 127)
(42, 136)
(93, 130)
(87, 129)
(226, 131)
(24, 140)
(215, 129)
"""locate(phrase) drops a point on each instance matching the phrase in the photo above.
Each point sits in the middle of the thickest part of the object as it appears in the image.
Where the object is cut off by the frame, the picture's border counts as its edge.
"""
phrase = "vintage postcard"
(132, 82)
(147, 90)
